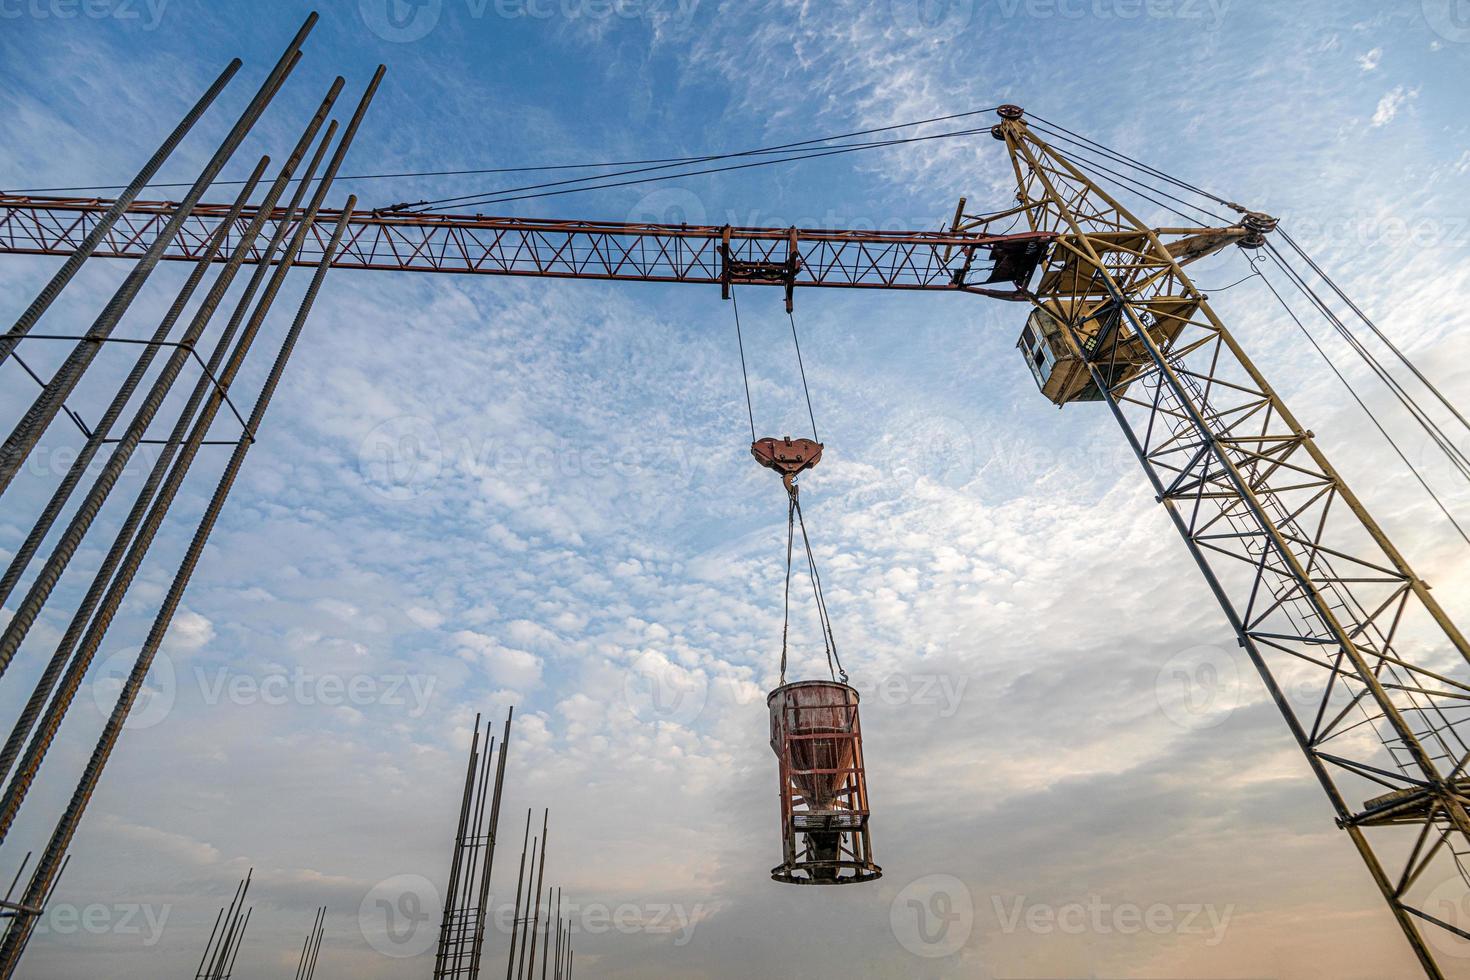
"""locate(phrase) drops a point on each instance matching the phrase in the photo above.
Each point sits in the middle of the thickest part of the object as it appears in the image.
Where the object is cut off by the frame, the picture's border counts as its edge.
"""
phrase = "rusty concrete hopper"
(818, 742)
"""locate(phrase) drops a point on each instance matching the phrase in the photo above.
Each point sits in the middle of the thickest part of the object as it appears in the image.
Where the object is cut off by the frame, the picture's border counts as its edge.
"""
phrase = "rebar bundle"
(311, 948)
(218, 961)
(243, 237)
(467, 897)
(528, 933)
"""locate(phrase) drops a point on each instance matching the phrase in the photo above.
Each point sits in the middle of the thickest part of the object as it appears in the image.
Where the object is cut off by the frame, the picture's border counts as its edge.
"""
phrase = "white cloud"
(1369, 60)
(1389, 106)
(189, 631)
(424, 618)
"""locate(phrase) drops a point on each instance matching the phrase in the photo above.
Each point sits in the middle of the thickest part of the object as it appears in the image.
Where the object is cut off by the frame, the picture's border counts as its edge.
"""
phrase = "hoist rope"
(794, 517)
(829, 642)
(802, 367)
(749, 408)
(786, 609)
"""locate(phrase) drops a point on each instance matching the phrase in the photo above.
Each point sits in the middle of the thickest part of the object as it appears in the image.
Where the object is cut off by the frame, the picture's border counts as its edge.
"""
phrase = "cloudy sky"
(473, 493)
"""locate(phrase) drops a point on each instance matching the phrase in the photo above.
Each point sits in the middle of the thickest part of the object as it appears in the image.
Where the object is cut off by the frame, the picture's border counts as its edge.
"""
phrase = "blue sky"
(475, 492)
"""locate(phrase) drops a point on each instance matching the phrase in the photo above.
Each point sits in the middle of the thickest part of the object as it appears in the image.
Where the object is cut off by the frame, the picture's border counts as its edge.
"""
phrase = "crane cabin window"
(1037, 348)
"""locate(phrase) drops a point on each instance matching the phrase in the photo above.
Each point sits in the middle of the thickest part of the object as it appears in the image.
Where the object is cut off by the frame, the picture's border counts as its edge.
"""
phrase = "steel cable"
(562, 166)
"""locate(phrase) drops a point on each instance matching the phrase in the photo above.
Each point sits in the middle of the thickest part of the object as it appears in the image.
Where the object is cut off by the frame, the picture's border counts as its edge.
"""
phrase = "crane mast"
(1369, 672)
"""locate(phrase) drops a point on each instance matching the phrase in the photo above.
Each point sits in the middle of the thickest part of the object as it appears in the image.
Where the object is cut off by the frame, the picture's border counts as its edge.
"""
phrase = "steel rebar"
(64, 275)
(38, 417)
(14, 940)
(484, 899)
(446, 927)
(14, 631)
(122, 453)
(515, 919)
(101, 430)
(536, 909)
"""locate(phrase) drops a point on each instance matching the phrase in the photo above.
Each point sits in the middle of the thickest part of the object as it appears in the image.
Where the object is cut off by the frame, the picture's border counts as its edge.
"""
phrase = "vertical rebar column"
(321, 932)
(447, 932)
(473, 853)
(20, 622)
(515, 919)
(229, 929)
(15, 939)
(228, 969)
(536, 908)
(525, 927)
(312, 945)
(216, 382)
(482, 905)
(128, 443)
(64, 275)
(28, 430)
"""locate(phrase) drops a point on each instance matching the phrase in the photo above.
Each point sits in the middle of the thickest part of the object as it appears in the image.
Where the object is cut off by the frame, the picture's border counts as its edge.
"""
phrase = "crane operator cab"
(1077, 326)
(1060, 364)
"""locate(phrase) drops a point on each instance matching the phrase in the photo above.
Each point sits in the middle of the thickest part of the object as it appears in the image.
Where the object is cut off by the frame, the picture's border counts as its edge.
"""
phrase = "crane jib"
(999, 266)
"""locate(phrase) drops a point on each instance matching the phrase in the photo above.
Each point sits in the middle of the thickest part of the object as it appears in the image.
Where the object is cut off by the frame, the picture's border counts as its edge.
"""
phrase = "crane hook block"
(786, 456)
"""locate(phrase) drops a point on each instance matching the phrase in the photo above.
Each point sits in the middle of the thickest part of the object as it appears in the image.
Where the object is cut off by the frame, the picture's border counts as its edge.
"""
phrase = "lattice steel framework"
(1372, 677)
(989, 265)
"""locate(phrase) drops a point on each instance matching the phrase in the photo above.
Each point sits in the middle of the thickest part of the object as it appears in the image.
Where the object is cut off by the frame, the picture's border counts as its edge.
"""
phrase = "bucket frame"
(836, 846)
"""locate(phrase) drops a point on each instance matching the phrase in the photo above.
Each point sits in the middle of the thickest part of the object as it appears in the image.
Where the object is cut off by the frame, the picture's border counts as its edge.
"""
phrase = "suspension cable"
(744, 374)
(1121, 157)
(1432, 428)
(805, 390)
(1374, 327)
(565, 166)
(1457, 457)
(829, 642)
(496, 197)
(1134, 183)
(1256, 272)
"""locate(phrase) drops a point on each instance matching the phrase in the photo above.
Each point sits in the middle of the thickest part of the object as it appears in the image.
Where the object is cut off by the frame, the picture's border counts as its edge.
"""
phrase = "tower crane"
(1370, 674)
